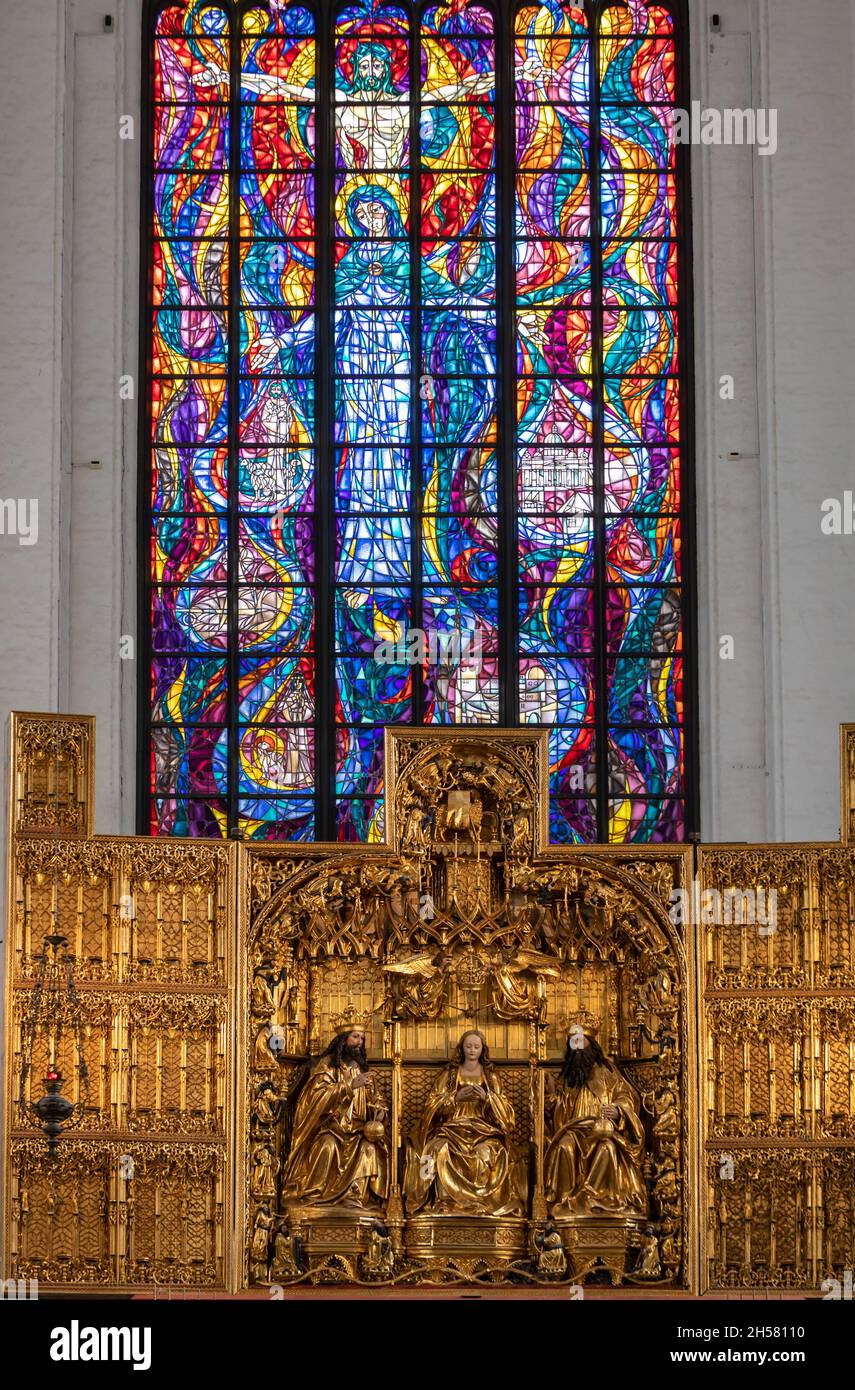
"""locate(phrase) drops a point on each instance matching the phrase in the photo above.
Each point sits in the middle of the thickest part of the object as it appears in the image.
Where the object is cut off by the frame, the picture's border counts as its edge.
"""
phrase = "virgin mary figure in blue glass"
(373, 348)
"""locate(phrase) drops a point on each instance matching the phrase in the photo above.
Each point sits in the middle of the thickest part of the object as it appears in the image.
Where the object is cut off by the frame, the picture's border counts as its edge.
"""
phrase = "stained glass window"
(414, 438)
(598, 415)
(232, 422)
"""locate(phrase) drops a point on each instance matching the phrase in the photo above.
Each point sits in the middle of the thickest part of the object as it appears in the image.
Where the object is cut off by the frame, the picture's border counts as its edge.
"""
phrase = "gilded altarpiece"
(139, 1195)
(466, 919)
(778, 1062)
(719, 983)
(847, 784)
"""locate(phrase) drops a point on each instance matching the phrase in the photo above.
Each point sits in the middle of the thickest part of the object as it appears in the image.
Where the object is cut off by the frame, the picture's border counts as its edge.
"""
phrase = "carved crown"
(350, 1017)
(582, 1018)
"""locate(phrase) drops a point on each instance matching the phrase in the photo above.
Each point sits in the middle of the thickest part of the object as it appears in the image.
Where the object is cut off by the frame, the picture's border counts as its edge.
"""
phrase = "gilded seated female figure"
(461, 1161)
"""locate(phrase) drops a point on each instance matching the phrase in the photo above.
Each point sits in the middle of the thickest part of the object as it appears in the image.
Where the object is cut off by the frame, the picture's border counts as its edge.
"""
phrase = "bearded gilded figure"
(461, 1161)
(337, 1151)
(595, 1138)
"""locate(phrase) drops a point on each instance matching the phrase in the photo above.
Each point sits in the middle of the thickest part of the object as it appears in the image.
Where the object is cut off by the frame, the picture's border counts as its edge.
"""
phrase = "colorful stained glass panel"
(422, 386)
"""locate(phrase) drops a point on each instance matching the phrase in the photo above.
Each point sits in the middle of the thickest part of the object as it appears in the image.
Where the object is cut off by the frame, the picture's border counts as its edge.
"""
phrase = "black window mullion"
(145, 442)
(233, 417)
(685, 370)
(601, 702)
(417, 366)
(325, 519)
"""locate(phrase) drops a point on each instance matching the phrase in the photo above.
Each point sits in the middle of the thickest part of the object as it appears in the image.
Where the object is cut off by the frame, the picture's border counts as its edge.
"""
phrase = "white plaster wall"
(776, 312)
(730, 581)
(31, 219)
(774, 261)
(99, 347)
(67, 239)
(811, 285)
(98, 593)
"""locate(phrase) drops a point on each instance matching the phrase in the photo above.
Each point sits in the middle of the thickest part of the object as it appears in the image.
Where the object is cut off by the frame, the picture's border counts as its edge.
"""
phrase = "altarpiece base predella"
(462, 1055)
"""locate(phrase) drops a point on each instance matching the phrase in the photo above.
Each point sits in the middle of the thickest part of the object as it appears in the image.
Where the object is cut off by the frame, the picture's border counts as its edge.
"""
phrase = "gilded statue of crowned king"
(338, 1153)
(595, 1138)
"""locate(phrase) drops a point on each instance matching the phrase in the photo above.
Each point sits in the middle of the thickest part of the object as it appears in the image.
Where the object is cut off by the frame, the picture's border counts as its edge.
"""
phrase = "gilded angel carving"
(416, 982)
(516, 991)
